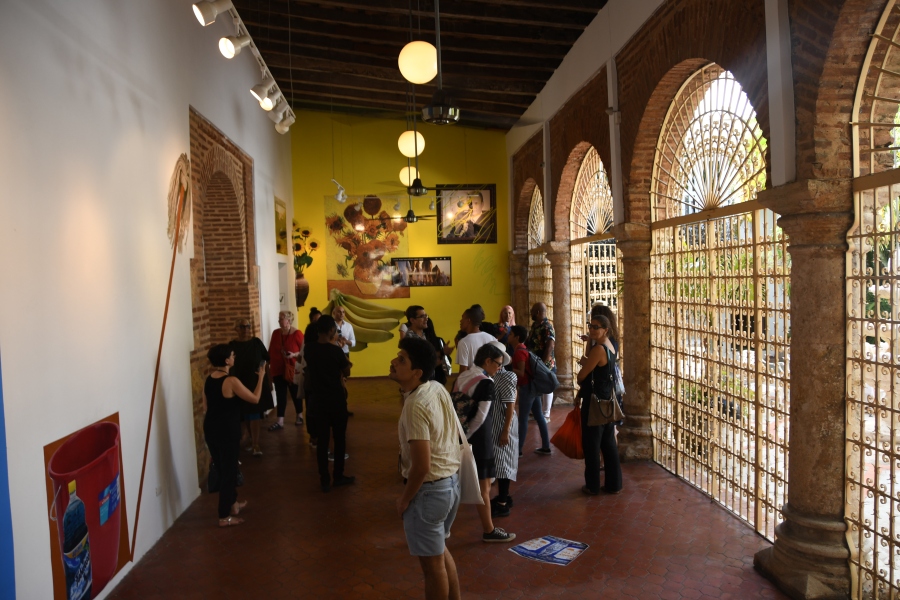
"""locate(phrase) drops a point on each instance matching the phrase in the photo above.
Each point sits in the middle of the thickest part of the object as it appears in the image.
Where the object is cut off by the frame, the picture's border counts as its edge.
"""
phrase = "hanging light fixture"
(418, 62)
(230, 46)
(411, 143)
(408, 175)
(260, 91)
(442, 110)
(207, 10)
(341, 195)
(284, 125)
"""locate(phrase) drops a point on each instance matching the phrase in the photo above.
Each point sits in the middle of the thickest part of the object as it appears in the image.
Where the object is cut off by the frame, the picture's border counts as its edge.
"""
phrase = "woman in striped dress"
(505, 435)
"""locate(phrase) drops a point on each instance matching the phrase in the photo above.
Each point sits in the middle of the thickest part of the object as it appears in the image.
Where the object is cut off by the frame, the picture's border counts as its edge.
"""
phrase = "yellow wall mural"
(362, 155)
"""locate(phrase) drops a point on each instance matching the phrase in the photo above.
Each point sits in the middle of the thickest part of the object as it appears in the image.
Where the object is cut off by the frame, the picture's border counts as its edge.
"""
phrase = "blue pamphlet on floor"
(550, 549)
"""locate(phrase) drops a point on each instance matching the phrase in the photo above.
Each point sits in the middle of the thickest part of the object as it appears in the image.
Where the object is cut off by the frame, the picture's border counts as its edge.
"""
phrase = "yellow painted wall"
(367, 161)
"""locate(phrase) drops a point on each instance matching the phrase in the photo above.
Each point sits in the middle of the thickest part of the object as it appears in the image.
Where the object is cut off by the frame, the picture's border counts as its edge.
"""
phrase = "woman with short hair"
(284, 350)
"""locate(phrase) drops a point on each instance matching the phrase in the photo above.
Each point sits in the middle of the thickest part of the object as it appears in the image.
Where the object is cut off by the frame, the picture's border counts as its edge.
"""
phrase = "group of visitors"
(495, 370)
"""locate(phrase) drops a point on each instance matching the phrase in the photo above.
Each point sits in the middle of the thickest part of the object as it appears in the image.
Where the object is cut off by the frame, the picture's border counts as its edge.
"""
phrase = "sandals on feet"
(230, 521)
(276, 426)
(237, 507)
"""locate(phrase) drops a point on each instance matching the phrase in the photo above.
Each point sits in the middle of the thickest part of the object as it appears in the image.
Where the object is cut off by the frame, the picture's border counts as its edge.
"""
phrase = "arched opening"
(719, 308)
(873, 317)
(593, 271)
(540, 278)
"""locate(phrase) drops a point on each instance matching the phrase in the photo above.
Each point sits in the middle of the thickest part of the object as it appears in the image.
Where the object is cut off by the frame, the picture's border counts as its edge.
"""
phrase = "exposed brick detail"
(829, 43)
(224, 284)
(679, 38)
(528, 172)
(581, 123)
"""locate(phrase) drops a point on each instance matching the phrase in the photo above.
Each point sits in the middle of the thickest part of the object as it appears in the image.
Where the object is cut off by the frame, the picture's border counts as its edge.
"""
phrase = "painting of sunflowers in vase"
(362, 236)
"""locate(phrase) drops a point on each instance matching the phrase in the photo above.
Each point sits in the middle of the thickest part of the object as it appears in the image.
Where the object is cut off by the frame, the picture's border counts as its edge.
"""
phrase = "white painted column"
(615, 143)
(782, 125)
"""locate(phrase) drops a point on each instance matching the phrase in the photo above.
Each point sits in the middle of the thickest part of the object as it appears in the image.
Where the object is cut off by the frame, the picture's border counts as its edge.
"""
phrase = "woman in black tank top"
(222, 426)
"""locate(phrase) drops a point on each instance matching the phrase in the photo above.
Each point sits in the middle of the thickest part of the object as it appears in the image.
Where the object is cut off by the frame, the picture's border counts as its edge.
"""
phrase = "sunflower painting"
(361, 236)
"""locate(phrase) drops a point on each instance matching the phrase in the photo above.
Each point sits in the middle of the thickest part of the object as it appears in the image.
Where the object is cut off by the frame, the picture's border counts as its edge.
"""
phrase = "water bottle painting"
(89, 539)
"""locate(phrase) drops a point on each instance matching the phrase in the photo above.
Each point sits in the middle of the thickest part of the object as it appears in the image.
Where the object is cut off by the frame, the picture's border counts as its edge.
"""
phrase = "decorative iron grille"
(540, 277)
(592, 275)
(872, 495)
(719, 305)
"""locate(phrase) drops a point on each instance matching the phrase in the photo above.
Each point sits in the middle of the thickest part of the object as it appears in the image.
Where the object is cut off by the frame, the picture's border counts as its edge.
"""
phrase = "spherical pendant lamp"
(411, 143)
(418, 62)
(408, 175)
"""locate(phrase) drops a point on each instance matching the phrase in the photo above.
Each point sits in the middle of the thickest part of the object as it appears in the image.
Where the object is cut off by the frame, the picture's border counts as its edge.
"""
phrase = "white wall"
(94, 98)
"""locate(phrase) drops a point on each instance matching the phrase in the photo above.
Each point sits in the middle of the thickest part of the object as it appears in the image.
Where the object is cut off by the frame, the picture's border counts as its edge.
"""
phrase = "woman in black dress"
(249, 352)
(222, 394)
(595, 376)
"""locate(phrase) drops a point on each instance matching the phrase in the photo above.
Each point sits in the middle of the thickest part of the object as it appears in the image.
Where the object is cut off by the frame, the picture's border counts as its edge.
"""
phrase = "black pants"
(223, 441)
(597, 439)
(328, 419)
(283, 387)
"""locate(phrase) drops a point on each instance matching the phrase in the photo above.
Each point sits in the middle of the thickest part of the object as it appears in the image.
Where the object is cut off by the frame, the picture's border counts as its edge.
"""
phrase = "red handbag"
(568, 437)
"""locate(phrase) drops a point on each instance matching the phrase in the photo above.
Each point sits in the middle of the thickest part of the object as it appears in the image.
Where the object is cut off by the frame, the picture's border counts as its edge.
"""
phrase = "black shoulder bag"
(604, 410)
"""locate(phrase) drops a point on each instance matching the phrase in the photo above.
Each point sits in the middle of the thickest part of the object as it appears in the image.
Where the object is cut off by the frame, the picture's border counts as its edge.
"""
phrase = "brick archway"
(224, 275)
(522, 208)
(562, 201)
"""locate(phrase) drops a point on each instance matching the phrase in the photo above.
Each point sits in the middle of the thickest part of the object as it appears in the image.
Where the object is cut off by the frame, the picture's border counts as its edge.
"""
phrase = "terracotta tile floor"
(659, 539)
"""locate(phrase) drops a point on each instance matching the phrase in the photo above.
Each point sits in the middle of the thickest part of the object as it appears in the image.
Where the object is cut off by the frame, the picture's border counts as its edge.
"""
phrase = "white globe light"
(408, 175)
(418, 62)
(411, 144)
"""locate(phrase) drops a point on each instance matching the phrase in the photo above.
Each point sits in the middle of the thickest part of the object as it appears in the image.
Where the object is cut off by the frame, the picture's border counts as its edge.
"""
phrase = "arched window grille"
(540, 279)
(873, 315)
(719, 312)
(593, 267)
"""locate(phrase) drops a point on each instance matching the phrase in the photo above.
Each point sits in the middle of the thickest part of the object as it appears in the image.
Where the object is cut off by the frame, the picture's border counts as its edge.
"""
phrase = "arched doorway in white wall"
(594, 269)
(719, 309)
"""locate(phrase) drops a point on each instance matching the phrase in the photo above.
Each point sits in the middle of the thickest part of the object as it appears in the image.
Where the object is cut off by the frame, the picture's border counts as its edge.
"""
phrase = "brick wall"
(527, 165)
(677, 40)
(581, 123)
(224, 276)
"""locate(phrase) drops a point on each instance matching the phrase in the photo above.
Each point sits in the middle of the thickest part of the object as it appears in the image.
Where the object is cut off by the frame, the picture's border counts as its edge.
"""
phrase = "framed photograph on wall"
(422, 272)
(468, 214)
(281, 230)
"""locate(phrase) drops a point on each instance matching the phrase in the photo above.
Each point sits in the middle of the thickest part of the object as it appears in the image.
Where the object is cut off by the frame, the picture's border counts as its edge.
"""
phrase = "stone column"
(518, 285)
(635, 436)
(560, 257)
(809, 558)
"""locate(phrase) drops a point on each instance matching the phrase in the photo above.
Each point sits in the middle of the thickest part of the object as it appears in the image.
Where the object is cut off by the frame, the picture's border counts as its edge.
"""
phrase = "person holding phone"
(345, 338)
(250, 355)
(222, 395)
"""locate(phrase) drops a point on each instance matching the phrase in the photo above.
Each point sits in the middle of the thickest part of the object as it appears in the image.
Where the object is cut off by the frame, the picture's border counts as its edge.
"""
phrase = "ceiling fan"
(411, 216)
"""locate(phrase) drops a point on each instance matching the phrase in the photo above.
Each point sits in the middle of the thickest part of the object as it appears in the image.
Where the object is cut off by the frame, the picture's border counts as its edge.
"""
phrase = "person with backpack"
(529, 401)
(472, 396)
(542, 340)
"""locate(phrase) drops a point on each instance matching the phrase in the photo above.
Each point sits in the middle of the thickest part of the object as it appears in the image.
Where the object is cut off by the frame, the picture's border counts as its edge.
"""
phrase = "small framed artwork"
(281, 230)
(421, 272)
(468, 214)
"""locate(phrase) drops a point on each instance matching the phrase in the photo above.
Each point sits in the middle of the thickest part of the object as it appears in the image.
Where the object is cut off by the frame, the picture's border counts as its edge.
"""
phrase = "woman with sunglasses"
(594, 377)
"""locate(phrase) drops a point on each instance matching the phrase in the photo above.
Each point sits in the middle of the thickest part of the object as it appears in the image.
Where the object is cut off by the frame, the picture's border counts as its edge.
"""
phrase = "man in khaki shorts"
(429, 463)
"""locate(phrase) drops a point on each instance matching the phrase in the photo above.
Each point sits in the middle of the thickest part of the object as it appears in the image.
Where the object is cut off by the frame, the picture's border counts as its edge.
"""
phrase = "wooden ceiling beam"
(327, 35)
(351, 83)
(277, 16)
(458, 10)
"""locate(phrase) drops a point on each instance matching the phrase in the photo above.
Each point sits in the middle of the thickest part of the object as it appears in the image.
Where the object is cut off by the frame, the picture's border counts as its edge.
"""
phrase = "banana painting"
(372, 324)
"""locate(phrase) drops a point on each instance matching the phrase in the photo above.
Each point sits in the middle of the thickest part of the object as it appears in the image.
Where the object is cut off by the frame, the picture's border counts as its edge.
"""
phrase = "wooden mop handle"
(162, 335)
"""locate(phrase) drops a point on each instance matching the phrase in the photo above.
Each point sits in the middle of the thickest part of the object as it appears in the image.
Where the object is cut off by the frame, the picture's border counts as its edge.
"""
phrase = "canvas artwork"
(468, 214)
(422, 272)
(362, 236)
(281, 230)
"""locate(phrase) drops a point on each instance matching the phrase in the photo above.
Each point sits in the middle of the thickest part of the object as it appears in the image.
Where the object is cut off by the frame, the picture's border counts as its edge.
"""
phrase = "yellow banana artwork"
(372, 324)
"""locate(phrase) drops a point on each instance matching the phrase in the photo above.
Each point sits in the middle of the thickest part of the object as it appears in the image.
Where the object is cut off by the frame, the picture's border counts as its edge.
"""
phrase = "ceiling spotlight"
(269, 102)
(441, 111)
(277, 113)
(431, 206)
(459, 204)
(341, 195)
(260, 91)
(397, 206)
(207, 10)
(411, 143)
(418, 62)
(284, 125)
(408, 175)
(231, 46)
